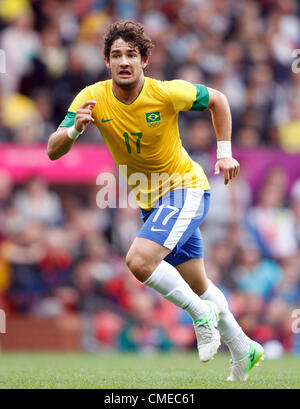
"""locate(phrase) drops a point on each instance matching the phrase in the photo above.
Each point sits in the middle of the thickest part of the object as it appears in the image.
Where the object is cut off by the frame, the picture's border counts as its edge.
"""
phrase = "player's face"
(126, 64)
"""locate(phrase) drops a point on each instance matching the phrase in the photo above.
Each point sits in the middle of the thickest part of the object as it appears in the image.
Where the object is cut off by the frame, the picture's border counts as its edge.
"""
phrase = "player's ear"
(145, 61)
(106, 59)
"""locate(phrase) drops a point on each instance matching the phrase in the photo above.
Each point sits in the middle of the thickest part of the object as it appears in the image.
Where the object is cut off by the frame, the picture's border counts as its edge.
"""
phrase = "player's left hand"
(229, 166)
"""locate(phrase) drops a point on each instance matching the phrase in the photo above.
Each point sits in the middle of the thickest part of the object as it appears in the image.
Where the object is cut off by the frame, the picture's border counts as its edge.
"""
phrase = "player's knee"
(138, 265)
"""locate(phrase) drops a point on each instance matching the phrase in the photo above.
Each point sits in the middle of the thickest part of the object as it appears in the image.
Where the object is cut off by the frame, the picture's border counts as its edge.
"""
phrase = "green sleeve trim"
(69, 119)
(202, 98)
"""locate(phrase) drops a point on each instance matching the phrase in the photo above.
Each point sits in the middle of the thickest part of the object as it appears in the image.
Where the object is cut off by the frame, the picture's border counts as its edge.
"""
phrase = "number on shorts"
(173, 209)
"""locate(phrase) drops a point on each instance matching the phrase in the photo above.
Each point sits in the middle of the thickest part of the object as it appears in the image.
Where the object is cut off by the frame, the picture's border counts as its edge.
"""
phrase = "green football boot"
(240, 369)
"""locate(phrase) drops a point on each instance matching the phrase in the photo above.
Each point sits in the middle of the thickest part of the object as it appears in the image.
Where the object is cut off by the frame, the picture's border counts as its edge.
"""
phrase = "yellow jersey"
(143, 136)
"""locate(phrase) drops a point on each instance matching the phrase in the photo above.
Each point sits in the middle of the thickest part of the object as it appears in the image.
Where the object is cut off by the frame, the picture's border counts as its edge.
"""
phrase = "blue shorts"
(174, 223)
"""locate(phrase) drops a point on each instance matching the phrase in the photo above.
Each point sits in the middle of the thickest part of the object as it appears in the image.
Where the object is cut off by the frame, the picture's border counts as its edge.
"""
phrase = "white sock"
(239, 346)
(230, 331)
(168, 282)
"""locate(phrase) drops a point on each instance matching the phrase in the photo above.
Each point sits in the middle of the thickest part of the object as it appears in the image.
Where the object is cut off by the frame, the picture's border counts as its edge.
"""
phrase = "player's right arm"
(61, 141)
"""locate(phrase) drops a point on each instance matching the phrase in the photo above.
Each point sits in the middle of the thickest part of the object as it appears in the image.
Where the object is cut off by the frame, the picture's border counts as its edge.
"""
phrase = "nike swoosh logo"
(106, 120)
(252, 357)
(153, 229)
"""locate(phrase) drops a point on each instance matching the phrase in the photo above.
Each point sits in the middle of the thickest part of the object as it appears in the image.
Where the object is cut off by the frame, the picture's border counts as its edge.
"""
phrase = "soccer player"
(137, 117)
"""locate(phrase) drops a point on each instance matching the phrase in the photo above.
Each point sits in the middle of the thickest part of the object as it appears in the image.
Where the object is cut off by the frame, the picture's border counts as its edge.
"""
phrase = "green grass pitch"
(130, 371)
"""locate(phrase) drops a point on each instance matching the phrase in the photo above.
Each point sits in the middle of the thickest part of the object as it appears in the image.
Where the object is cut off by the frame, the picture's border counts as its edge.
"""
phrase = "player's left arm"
(221, 118)
(197, 97)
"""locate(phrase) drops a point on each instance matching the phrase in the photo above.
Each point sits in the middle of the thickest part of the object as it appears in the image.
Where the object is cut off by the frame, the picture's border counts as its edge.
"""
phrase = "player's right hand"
(84, 115)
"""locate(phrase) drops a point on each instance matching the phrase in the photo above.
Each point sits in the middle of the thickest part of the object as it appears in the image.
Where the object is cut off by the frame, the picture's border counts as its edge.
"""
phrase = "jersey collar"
(135, 101)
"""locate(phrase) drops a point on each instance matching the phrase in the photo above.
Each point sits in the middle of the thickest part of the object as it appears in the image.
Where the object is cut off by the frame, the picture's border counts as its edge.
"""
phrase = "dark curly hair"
(131, 32)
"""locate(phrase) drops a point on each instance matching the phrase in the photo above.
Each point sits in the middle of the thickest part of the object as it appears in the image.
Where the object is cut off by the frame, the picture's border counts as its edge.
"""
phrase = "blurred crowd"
(60, 253)
(247, 49)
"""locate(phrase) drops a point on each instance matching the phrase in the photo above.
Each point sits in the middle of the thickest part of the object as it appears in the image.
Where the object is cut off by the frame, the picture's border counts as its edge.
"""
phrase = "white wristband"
(224, 149)
(73, 133)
